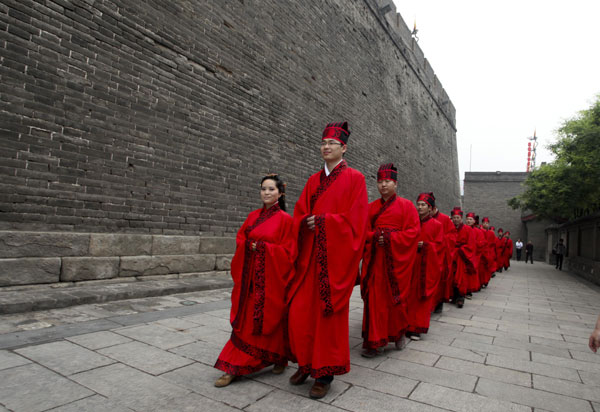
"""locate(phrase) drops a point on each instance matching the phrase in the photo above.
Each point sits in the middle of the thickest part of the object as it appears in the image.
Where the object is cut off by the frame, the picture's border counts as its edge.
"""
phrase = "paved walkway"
(519, 345)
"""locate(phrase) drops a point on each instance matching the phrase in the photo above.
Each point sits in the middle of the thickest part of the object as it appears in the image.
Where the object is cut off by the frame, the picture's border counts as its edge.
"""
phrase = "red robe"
(500, 252)
(445, 256)
(426, 276)
(462, 258)
(490, 256)
(387, 270)
(326, 269)
(474, 281)
(508, 252)
(257, 300)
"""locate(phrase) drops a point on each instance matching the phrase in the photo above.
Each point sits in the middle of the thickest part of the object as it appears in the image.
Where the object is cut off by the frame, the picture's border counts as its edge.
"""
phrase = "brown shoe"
(298, 378)
(278, 369)
(319, 390)
(224, 380)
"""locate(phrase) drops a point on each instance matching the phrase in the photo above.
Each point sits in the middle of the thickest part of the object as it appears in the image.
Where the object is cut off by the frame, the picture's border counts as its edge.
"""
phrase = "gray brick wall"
(487, 194)
(161, 117)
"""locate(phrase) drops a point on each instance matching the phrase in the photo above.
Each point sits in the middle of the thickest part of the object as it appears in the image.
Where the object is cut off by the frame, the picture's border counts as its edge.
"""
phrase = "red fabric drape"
(446, 254)
(326, 269)
(462, 258)
(426, 276)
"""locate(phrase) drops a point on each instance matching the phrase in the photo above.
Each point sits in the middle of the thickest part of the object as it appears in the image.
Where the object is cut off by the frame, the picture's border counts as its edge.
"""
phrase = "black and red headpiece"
(492, 228)
(428, 198)
(471, 214)
(387, 171)
(456, 211)
(485, 219)
(500, 230)
(337, 131)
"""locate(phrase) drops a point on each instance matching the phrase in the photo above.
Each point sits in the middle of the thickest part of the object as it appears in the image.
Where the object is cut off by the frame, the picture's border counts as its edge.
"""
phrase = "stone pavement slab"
(129, 387)
(518, 345)
(145, 357)
(65, 358)
(10, 360)
(462, 401)
(32, 388)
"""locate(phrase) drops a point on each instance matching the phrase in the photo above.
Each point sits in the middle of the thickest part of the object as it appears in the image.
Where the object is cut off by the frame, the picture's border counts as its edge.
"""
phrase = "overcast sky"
(510, 68)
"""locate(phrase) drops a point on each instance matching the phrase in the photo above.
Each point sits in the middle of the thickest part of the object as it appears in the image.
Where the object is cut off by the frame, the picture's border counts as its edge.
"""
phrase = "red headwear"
(428, 198)
(456, 211)
(500, 230)
(492, 228)
(485, 219)
(387, 172)
(337, 131)
(471, 214)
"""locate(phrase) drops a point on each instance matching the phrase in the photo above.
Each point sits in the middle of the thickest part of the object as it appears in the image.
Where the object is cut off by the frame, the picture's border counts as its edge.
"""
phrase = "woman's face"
(470, 221)
(269, 193)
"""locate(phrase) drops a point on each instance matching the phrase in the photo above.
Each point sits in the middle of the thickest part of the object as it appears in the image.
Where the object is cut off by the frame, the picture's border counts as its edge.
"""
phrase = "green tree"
(570, 185)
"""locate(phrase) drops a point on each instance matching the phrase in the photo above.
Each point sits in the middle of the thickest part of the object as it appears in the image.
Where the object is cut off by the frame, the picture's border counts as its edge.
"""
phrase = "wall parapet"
(414, 55)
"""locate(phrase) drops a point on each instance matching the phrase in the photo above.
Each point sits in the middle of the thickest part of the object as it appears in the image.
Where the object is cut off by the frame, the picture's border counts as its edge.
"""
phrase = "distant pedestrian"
(595, 337)
(529, 252)
(560, 250)
(519, 246)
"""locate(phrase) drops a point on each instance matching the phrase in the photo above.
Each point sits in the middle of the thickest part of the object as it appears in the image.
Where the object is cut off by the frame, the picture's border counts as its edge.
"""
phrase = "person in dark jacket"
(529, 252)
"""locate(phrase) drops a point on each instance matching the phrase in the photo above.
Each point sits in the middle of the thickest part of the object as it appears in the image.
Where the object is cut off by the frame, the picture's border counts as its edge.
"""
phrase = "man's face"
(386, 187)
(332, 150)
(470, 221)
(457, 220)
(486, 225)
(423, 208)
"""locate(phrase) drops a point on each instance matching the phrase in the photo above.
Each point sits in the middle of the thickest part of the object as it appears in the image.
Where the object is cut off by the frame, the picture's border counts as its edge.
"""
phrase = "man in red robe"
(426, 270)
(473, 281)
(330, 218)
(387, 265)
(489, 254)
(445, 259)
(462, 257)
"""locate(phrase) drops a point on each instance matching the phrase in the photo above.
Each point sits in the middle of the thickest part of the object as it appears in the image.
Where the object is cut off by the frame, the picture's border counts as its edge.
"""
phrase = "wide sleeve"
(278, 255)
(403, 248)
(237, 266)
(432, 246)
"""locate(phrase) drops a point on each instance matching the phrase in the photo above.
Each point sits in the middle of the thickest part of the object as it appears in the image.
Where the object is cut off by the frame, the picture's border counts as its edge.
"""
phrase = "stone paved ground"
(519, 345)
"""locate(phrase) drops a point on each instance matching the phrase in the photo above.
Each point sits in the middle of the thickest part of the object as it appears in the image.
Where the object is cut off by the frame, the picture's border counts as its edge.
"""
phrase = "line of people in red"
(293, 277)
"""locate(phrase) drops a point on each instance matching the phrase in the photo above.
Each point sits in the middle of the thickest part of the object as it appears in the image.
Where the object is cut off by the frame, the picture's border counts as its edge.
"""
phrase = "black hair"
(280, 186)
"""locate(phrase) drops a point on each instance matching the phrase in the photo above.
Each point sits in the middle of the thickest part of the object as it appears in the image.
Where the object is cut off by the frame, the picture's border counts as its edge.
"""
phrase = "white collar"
(327, 172)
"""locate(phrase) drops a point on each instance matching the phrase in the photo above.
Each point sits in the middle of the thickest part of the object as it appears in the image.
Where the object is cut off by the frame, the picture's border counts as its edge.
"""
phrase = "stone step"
(54, 296)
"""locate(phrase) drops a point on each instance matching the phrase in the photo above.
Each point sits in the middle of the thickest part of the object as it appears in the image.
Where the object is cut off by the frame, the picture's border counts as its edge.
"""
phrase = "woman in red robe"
(426, 269)
(388, 259)
(462, 257)
(261, 269)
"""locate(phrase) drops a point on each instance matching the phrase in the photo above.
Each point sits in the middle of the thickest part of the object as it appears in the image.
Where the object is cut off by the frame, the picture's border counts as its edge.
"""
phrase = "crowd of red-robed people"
(293, 276)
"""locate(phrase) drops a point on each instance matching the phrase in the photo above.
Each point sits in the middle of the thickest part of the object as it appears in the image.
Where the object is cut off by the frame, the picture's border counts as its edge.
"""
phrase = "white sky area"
(510, 68)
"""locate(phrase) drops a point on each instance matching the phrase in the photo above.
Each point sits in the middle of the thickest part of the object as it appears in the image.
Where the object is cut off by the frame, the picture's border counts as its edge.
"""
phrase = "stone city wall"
(487, 194)
(159, 118)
